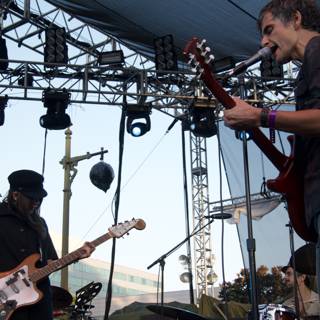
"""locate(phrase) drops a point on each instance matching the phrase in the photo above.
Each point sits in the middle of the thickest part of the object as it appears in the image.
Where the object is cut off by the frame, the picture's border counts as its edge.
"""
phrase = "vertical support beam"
(200, 205)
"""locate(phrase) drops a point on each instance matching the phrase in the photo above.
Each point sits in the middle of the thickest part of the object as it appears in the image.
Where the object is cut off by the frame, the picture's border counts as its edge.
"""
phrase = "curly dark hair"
(285, 9)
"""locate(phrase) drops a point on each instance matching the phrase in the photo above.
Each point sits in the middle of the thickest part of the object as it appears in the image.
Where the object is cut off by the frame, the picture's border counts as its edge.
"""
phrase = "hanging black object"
(102, 175)
(3, 54)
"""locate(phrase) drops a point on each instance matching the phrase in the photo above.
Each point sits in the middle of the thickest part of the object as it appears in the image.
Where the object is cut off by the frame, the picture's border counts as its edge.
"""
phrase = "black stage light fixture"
(56, 102)
(56, 50)
(138, 119)
(3, 105)
(269, 68)
(111, 58)
(223, 64)
(3, 54)
(165, 54)
(26, 80)
(241, 134)
(203, 122)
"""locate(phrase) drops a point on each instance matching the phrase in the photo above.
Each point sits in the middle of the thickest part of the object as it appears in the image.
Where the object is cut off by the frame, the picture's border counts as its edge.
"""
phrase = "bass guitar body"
(17, 289)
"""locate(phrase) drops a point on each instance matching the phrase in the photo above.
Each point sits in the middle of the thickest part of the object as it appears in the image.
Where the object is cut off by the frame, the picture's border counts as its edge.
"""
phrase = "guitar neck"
(273, 154)
(65, 261)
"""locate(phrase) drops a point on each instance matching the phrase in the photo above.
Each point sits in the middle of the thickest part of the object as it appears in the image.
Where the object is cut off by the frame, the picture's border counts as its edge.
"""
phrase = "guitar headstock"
(199, 55)
(122, 228)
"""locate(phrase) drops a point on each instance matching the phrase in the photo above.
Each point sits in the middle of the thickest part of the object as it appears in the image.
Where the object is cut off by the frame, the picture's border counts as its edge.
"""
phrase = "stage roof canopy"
(228, 26)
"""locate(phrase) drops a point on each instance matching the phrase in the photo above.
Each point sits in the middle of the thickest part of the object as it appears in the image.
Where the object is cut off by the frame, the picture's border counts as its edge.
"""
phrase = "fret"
(116, 231)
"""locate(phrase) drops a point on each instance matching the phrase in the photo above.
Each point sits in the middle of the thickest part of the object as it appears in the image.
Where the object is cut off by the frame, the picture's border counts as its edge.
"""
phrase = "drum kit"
(63, 309)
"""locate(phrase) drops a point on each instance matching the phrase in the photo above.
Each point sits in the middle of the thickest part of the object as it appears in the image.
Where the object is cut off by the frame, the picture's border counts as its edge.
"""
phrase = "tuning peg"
(209, 59)
(205, 51)
(202, 45)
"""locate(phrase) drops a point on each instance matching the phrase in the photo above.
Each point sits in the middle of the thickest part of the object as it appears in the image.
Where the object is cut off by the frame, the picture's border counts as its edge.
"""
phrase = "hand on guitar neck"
(87, 249)
(242, 116)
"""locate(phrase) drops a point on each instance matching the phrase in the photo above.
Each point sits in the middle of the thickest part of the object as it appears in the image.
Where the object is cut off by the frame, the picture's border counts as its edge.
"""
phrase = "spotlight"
(111, 57)
(28, 80)
(241, 134)
(203, 122)
(165, 55)
(56, 50)
(185, 277)
(138, 119)
(184, 260)
(56, 102)
(3, 54)
(269, 68)
(212, 277)
(3, 105)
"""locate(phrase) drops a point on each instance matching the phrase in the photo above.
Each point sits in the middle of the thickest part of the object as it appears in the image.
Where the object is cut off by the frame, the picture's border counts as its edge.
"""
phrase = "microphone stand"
(161, 259)
(251, 244)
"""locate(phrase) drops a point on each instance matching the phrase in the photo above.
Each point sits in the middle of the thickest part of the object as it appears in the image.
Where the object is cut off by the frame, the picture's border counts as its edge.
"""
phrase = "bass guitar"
(18, 286)
(290, 180)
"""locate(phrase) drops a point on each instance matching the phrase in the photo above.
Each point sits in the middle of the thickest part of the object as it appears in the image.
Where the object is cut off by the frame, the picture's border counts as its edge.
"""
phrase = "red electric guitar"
(18, 286)
(290, 181)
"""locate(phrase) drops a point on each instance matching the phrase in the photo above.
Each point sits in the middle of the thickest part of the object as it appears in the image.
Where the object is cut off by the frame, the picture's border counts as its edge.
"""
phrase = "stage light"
(185, 277)
(223, 64)
(138, 119)
(56, 50)
(184, 260)
(269, 68)
(165, 55)
(29, 81)
(111, 57)
(240, 135)
(203, 122)
(3, 105)
(212, 277)
(3, 54)
(56, 102)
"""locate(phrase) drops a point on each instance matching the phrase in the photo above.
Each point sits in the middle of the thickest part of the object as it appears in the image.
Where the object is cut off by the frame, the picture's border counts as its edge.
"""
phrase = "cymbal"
(175, 313)
(61, 298)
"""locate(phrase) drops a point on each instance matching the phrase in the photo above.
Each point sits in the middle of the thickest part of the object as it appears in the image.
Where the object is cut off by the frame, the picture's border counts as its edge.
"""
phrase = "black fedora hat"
(28, 182)
(305, 260)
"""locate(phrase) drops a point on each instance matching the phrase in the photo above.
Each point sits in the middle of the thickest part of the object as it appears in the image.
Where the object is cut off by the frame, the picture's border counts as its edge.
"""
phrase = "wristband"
(272, 118)
(264, 117)
(272, 122)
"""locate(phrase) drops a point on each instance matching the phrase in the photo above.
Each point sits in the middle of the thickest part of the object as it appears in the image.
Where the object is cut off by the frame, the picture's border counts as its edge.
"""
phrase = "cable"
(44, 151)
(222, 223)
(244, 11)
(117, 202)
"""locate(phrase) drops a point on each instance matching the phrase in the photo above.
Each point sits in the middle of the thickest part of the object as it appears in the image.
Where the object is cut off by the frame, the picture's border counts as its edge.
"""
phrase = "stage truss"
(89, 83)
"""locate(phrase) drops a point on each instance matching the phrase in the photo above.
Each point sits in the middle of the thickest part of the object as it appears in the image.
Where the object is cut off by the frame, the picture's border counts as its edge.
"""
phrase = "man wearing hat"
(23, 232)
(307, 298)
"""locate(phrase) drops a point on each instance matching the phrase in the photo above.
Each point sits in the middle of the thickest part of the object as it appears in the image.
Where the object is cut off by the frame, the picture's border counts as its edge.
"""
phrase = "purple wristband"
(272, 119)
(271, 123)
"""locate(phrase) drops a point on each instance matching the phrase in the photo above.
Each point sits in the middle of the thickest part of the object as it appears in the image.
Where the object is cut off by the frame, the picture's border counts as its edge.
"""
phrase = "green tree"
(270, 287)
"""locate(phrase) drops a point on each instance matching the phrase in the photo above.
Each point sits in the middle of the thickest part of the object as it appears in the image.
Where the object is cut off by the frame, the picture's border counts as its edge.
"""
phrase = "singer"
(292, 27)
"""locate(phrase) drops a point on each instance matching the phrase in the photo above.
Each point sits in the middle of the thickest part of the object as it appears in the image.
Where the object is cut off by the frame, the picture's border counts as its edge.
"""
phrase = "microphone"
(262, 53)
(219, 216)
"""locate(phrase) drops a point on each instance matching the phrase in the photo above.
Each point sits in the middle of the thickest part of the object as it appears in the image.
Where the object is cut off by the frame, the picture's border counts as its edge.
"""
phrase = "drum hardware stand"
(293, 260)
(161, 260)
(251, 244)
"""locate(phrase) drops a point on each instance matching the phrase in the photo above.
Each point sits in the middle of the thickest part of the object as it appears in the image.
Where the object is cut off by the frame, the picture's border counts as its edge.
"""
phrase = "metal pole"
(251, 243)
(66, 206)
